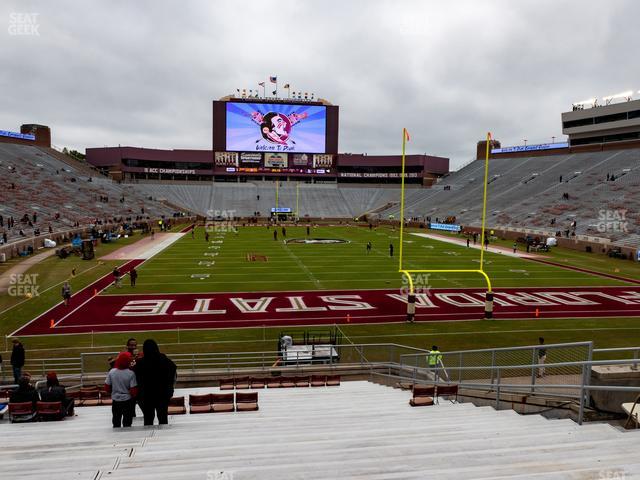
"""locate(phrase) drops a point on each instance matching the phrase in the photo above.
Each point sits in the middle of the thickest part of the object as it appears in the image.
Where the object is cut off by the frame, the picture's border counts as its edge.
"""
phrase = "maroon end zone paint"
(119, 313)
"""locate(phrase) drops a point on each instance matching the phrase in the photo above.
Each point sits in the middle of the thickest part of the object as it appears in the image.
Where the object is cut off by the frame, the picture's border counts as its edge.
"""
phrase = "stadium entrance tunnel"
(317, 240)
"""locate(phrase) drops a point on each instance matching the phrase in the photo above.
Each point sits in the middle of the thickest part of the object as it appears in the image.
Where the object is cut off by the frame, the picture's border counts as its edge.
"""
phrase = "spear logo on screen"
(276, 127)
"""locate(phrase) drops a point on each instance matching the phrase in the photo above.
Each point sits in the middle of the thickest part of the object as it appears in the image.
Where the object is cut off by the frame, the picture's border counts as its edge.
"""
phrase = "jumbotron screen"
(275, 127)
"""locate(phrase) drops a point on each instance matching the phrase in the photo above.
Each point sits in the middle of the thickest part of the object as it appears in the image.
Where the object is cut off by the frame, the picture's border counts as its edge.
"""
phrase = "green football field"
(189, 266)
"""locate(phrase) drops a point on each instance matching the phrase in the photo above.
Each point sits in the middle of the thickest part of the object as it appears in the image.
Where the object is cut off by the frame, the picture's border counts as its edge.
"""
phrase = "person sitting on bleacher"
(25, 392)
(54, 392)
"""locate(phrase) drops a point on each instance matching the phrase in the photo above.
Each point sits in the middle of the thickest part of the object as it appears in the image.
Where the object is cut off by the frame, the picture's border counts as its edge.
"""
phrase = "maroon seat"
(89, 396)
(105, 398)
(422, 396)
(301, 381)
(222, 402)
(200, 403)
(333, 380)
(447, 391)
(49, 410)
(318, 380)
(227, 384)
(246, 401)
(288, 382)
(274, 382)
(176, 406)
(22, 411)
(257, 383)
(242, 383)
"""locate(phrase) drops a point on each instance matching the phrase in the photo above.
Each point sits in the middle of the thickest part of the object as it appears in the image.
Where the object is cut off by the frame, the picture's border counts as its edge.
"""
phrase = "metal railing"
(501, 370)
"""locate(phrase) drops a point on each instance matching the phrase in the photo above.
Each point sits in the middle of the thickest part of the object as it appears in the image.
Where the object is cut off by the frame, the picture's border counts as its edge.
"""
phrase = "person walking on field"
(66, 293)
(275, 235)
(156, 375)
(122, 385)
(368, 248)
(391, 249)
(133, 275)
(116, 277)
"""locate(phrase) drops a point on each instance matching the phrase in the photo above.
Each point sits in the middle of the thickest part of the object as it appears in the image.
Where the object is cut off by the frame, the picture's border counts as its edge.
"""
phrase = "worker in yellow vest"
(435, 357)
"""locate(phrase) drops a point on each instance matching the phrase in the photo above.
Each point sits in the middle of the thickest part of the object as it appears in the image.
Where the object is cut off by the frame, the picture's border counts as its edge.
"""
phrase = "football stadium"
(288, 309)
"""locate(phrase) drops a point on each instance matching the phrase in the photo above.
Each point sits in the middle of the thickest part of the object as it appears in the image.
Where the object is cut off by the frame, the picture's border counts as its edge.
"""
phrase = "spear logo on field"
(276, 127)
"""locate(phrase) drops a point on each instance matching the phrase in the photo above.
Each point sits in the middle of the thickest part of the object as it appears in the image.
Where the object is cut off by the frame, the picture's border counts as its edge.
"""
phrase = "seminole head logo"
(276, 127)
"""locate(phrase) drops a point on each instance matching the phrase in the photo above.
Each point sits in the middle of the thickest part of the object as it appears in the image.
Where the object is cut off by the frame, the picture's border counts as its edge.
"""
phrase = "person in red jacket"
(121, 383)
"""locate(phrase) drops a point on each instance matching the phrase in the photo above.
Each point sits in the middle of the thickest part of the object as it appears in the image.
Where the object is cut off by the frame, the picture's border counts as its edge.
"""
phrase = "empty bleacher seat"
(447, 391)
(333, 380)
(318, 380)
(222, 402)
(422, 396)
(257, 383)
(246, 401)
(176, 406)
(200, 403)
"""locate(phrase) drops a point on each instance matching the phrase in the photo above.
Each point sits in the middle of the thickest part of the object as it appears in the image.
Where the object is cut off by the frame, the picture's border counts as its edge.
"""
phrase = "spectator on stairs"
(122, 385)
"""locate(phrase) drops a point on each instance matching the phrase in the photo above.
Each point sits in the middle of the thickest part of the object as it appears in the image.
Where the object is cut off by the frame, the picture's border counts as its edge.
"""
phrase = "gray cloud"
(144, 73)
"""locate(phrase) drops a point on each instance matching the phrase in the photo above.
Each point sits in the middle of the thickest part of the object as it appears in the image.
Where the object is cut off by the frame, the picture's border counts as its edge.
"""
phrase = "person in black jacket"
(24, 393)
(156, 376)
(54, 392)
(17, 359)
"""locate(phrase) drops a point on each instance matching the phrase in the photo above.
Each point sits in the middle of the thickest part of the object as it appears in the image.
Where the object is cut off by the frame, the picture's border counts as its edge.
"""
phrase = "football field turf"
(194, 265)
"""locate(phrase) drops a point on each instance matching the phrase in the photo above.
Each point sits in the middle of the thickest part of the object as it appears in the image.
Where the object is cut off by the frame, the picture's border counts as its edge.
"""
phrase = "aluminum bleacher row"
(527, 192)
(47, 186)
(359, 430)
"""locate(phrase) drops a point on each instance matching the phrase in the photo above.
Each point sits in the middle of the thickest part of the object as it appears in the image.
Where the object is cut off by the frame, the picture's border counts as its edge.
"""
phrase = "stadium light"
(626, 95)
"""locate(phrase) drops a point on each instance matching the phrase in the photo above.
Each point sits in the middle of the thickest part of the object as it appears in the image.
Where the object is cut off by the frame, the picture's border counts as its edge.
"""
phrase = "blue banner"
(23, 136)
(449, 227)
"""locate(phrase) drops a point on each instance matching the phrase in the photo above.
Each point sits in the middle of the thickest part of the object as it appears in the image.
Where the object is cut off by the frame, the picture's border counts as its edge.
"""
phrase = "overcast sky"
(143, 73)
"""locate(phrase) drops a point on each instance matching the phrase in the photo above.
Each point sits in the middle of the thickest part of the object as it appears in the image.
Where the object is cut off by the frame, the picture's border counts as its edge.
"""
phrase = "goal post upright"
(407, 273)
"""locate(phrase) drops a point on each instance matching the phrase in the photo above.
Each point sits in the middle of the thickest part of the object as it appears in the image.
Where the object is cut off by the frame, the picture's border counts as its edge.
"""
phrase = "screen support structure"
(408, 273)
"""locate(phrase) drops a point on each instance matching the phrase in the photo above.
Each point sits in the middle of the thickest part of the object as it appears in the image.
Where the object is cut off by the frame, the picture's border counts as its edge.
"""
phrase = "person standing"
(116, 277)
(66, 293)
(156, 376)
(284, 232)
(206, 236)
(308, 230)
(515, 247)
(391, 249)
(193, 232)
(468, 242)
(435, 357)
(542, 357)
(133, 275)
(275, 235)
(17, 359)
(368, 248)
(121, 383)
